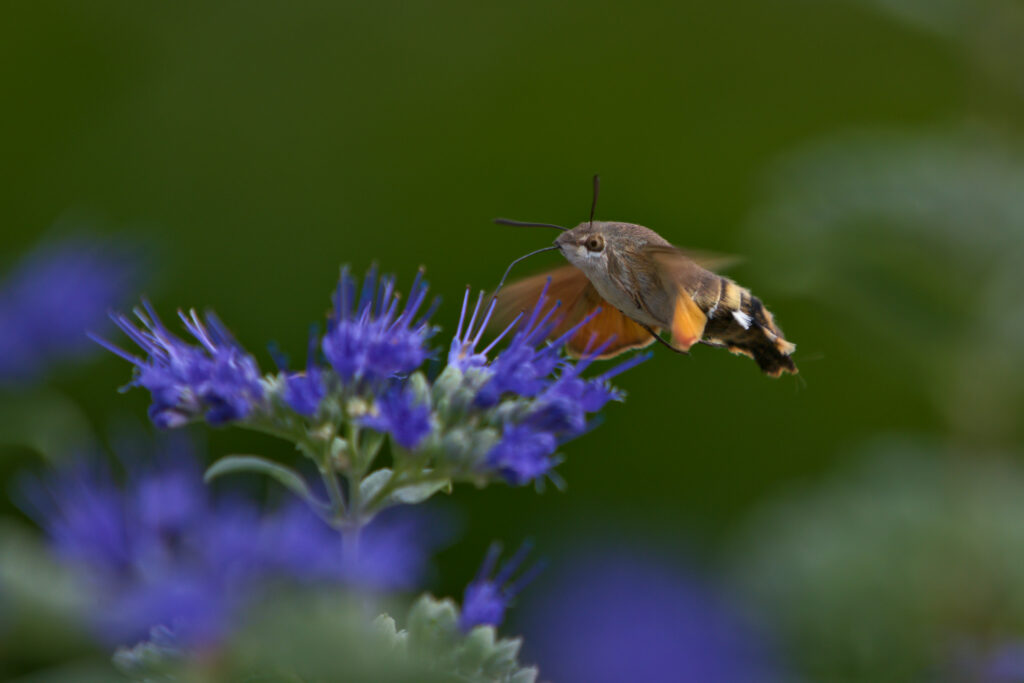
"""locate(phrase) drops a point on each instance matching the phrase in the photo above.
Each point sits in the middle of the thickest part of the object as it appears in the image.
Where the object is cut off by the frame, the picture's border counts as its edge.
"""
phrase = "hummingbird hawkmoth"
(643, 285)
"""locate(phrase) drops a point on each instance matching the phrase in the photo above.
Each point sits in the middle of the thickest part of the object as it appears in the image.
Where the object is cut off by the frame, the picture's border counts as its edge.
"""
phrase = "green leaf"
(476, 648)
(373, 483)
(448, 381)
(502, 659)
(433, 626)
(420, 387)
(434, 639)
(370, 446)
(385, 626)
(527, 675)
(416, 493)
(410, 494)
(150, 660)
(286, 476)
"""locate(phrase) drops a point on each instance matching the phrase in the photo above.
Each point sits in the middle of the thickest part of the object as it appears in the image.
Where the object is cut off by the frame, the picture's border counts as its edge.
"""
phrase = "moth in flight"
(644, 285)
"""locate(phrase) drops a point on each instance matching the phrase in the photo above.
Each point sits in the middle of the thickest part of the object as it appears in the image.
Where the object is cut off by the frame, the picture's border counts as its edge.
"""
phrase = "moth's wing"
(682, 259)
(567, 284)
(579, 298)
(687, 283)
(710, 260)
(608, 322)
(688, 321)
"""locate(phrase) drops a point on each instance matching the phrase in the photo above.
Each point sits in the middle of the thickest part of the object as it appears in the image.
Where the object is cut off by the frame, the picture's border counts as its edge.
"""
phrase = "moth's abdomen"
(739, 321)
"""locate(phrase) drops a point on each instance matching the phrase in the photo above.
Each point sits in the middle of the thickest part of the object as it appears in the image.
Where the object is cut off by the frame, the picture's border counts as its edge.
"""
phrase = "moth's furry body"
(650, 286)
(615, 278)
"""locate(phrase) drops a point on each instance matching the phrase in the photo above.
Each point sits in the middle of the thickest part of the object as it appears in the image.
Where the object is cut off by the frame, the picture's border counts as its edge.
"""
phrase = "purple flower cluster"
(369, 339)
(216, 380)
(531, 368)
(527, 394)
(53, 295)
(486, 597)
(305, 390)
(401, 416)
(160, 551)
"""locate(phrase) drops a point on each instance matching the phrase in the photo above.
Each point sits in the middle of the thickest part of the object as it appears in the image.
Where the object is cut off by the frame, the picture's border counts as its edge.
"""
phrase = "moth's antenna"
(526, 224)
(509, 269)
(593, 204)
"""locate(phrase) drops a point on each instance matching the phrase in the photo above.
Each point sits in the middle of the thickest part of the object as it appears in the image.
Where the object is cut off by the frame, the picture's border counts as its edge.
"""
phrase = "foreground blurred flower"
(158, 551)
(487, 597)
(998, 662)
(312, 636)
(487, 416)
(56, 292)
(624, 617)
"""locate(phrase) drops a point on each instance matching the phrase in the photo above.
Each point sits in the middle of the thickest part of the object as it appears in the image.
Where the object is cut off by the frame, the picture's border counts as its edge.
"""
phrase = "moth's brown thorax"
(611, 254)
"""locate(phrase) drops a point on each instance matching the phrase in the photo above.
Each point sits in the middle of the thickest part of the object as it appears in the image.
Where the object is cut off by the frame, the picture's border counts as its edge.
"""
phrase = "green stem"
(337, 498)
(350, 545)
(355, 479)
(320, 456)
(352, 434)
(353, 524)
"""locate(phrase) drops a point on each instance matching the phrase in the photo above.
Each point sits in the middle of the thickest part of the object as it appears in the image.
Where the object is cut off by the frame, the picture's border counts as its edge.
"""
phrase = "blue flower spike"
(486, 598)
(304, 391)
(462, 353)
(216, 380)
(399, 414)
(562, 398)
(369, 339)
(500, 410)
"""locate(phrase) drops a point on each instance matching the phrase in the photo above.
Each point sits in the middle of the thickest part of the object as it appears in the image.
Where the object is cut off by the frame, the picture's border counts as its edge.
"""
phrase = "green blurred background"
(257, 146)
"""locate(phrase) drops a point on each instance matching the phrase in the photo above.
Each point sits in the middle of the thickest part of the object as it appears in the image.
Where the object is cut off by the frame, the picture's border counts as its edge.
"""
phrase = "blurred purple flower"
(612, 617)
(400, 415)
(56, 292)
(1006, 665)
(370, 339)
(1000, 663)
(216, 380)
(160, 551)
(487, 598)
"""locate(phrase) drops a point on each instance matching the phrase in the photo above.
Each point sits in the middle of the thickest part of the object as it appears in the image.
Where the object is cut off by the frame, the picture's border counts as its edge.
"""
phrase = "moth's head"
(587, 246)
(590, 246)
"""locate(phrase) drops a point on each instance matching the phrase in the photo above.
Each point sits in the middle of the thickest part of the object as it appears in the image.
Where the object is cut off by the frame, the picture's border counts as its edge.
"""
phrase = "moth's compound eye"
(595, 243)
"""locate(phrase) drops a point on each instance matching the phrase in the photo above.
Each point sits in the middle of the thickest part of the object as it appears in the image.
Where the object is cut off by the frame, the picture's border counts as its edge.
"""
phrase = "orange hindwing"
(579, 298)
